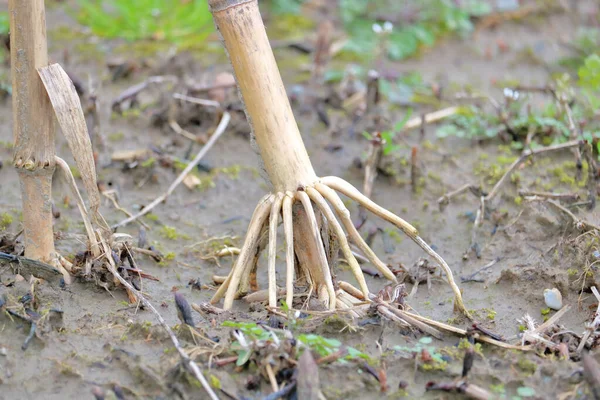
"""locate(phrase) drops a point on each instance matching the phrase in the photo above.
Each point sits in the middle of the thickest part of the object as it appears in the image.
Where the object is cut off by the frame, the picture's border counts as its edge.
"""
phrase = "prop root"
(323, 194)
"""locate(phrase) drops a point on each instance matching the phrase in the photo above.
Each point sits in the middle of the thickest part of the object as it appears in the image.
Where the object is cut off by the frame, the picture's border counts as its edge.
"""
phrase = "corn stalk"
(307, 203)
(33, 127)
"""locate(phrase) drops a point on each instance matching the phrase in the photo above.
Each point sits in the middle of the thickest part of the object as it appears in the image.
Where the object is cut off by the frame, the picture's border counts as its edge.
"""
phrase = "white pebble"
(553, 298)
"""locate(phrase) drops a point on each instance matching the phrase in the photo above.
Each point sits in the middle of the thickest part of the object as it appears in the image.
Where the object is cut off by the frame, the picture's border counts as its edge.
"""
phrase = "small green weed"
(387, 137)
(5, 220)
(429, 20)
(424, 23)
(587, 42)
(424, 344)
(549, 125)
(175, 21)
(170, 232)
(253, 333)
(589, 80)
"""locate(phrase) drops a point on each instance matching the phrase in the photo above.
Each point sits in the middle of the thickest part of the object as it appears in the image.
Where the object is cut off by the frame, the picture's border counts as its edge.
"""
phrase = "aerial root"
(230, 286)
(306, 229)
(273, 219)
(325, 274)
(290, 259)
(347, 189)
(318, 199)
(355, 237)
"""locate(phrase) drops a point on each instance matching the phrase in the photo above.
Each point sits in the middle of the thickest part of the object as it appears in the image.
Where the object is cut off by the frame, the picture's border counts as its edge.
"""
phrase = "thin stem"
(445, 199)
(196, 100)
(273, 219)
(464, 332)
(579, 223)
(431, 117)
(341, 237)
(592, 173)
(62, 164)
(449, 275)
(548, 195)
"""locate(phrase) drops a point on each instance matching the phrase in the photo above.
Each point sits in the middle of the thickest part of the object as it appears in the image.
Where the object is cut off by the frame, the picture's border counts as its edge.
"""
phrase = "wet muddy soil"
(102, 340)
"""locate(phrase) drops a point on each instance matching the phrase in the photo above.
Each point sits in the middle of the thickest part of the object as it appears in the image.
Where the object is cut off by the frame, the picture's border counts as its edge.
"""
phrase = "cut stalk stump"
(311, 233)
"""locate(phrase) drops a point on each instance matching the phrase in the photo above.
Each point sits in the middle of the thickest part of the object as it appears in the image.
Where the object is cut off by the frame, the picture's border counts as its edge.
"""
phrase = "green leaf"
(215, 382)
(402, 44)
(423, 35)
(447, 130)
(391, 148)
(398, 127)
(333, 75)
(353, 353)
(388, 136)
(352, 9)
(243, 357)
(286, 6)
(4, 23)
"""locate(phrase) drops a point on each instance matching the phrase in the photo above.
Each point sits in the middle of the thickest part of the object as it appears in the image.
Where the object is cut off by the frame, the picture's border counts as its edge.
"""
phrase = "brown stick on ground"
(33, 126)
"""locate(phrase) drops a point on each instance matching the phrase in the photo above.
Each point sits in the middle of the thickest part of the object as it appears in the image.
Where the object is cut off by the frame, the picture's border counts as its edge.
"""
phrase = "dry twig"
(215, 136)
(188, 363)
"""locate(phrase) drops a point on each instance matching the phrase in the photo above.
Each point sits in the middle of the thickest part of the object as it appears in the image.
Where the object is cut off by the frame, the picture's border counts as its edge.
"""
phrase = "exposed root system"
(323, 194)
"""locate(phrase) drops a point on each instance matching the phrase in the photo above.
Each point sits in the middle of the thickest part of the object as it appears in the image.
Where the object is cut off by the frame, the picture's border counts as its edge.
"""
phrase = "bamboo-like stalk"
(267, 106)
(33, 126)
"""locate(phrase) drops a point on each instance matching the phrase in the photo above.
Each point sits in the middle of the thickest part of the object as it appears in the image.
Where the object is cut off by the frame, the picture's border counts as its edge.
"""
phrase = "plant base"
(305, 243)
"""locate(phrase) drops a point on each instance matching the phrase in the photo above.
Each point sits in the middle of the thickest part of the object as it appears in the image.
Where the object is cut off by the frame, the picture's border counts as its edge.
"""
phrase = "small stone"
(553, 298)
(3, 351)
